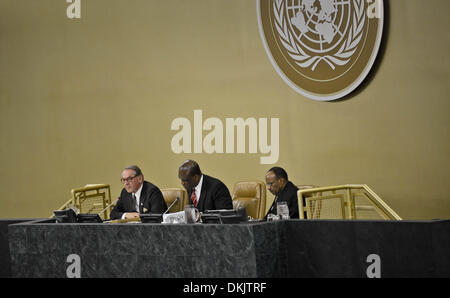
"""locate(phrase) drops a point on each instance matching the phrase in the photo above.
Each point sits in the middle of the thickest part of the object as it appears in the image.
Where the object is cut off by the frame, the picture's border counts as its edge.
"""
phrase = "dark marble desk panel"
(294, 248)
(327, 248)
(5, 257)
(143, 250)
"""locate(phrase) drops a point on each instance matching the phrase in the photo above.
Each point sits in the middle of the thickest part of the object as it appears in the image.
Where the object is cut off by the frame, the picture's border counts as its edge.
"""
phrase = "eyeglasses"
(269, 184)
(123, 180)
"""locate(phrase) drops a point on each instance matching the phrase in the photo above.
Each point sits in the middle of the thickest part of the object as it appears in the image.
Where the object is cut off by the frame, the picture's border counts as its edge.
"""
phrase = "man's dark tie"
(274, 204)
(134, 203)
(194, 197)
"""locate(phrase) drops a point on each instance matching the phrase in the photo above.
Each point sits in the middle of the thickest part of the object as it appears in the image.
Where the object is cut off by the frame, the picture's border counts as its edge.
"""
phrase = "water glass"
(272, 217)
(191, 214)
(283, 210)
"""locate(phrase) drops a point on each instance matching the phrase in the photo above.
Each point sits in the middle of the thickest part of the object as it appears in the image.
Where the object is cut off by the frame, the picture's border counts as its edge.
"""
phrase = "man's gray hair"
(136, 169)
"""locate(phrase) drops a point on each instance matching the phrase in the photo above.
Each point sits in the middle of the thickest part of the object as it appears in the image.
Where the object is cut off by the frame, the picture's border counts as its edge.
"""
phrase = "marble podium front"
(293, 248)
(40, 249)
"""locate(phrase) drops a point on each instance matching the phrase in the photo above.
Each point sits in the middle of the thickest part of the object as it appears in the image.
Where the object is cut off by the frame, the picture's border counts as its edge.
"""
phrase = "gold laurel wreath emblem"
(301, 58)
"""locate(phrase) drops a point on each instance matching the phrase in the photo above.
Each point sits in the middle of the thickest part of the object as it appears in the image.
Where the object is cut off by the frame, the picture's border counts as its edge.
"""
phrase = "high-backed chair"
(92, 198)
(351, 201)
(170, 194)
(252, 196)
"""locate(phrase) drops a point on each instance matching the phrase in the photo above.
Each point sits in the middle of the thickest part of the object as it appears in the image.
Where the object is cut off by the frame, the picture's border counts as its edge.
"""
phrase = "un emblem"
(323, 49)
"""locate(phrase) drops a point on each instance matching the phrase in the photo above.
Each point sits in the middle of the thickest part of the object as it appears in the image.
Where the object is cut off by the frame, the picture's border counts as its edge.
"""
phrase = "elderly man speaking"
(138, 196)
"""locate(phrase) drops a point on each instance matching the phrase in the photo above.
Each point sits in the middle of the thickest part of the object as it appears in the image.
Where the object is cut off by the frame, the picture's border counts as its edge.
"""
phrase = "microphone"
(109, 206)
(173, 203)
(73, 208)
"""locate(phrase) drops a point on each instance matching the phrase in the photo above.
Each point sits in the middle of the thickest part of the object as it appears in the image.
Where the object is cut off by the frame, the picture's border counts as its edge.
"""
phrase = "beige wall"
(81, 99)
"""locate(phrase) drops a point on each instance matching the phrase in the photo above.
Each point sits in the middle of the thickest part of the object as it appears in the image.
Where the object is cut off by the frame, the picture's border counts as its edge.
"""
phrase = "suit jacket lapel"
(189, 196)
(128, 201)
(203, 193)
(142, 198)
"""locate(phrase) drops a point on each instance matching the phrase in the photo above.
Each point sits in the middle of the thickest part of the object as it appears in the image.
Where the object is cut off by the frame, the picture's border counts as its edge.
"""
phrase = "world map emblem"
(323, 49)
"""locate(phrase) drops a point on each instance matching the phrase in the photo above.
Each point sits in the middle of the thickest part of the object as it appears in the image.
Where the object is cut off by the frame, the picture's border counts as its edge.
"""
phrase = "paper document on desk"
(176, 217)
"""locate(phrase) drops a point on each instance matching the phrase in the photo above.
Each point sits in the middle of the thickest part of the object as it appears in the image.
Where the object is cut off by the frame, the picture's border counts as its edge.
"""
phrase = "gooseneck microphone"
(173, 203)
(108, 206)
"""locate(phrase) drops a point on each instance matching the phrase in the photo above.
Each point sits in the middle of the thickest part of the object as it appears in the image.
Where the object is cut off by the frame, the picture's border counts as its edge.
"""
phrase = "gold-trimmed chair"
(252, 196)
(92, 199)
(350, 201)
(170, 194)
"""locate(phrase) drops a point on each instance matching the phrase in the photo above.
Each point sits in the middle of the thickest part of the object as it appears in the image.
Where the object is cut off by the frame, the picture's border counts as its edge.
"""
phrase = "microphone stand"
(108, 206)
(173, 203)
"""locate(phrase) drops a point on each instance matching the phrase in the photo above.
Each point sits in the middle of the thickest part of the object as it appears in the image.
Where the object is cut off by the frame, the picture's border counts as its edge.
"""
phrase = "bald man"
(205, 192)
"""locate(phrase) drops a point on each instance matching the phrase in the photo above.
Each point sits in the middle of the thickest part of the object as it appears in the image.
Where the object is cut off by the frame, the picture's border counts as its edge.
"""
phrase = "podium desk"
(5, 257)
(293, 248)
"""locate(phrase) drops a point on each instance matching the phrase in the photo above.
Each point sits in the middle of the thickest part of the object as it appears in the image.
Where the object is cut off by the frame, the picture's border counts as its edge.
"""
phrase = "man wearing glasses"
(284, 191)
(137, 196)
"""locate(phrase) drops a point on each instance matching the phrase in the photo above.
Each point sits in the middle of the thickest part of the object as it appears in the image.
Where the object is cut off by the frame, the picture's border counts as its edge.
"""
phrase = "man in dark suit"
(205, 192)
(284, 191)
(137, 196)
